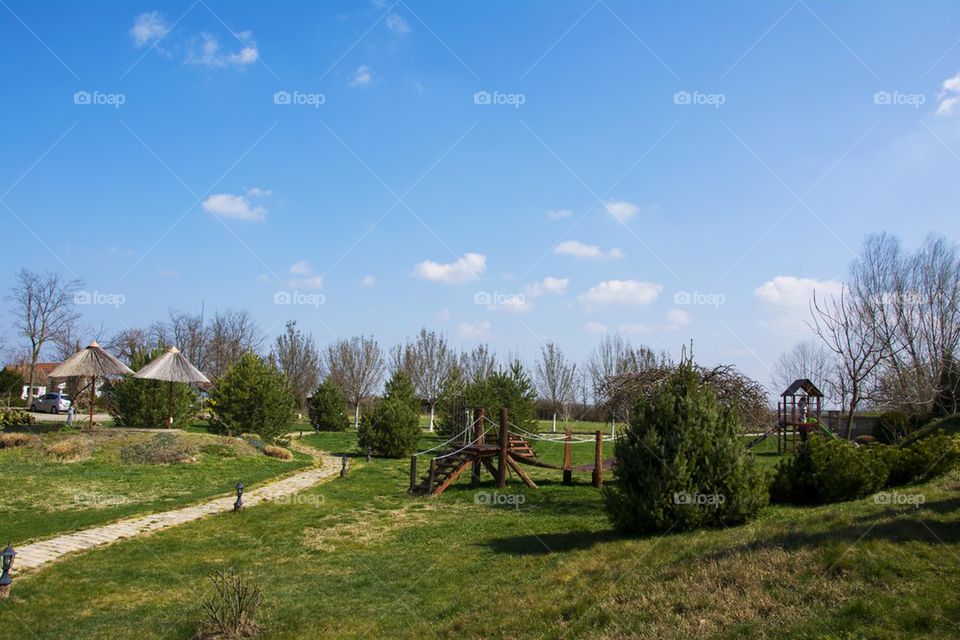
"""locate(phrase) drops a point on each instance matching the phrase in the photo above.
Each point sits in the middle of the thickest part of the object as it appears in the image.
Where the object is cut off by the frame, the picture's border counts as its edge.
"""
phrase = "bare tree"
(478, 364)
(432, 359)
(809, 359)
(297, 357)
(232, 334)
(615, 356)
(356, 366)
(556, 379)
(42, 306)
(851, 330)
(127, 343)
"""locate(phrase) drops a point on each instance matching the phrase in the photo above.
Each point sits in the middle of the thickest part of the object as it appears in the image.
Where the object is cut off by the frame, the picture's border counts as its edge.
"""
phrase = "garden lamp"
(7, 561)
(239, 503)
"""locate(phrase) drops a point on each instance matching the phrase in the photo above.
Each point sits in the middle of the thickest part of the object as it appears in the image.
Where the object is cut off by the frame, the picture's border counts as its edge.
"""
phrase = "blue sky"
(669, 171)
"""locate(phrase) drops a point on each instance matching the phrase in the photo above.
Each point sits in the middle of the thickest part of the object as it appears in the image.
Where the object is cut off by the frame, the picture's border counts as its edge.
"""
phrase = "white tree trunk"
(554, 421)
(431, 418)
(356, 416)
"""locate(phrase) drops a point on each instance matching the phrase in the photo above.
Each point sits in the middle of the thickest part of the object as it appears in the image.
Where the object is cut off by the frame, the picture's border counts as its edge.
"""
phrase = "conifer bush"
(327, 408)
(392, 429)
(681, 463)
(252, 397)
(829, 471)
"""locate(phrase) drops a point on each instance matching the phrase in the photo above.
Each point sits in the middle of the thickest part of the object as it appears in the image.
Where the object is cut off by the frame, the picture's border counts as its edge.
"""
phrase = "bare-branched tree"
(432, 359)
(297, 356)
(808, 359)
(232, 334)
(478, 364)
(43, 308)
(356, 366)
(556, 379)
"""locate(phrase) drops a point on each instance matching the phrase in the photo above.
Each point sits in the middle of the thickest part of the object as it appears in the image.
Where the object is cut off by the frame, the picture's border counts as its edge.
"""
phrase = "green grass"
(43, 496)
(360, 559)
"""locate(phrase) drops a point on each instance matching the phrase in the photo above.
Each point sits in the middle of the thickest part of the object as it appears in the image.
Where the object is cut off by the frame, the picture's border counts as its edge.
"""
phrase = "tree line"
(46, 321)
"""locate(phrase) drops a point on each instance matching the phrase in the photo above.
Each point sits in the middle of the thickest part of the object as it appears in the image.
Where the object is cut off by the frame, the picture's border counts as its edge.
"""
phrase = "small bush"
(219, 450)
(327, 408)
(14, 418)
(11, 440)
(277, 452)
(391, 430)
(163, 448)
(230, 611)
(920, 460)
(829, 471)
(65, 450)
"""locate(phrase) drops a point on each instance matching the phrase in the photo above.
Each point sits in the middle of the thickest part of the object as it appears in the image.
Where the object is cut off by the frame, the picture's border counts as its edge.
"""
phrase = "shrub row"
(834, 470)
(14, 418)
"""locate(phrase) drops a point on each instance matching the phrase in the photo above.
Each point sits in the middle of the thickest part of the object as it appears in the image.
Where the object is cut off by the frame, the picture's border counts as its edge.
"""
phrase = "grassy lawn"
(43, 495)
(360, 559)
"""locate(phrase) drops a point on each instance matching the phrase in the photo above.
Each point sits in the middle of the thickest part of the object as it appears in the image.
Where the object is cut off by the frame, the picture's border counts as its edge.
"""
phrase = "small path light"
(5, 580)
(345, 468)
(239, 503)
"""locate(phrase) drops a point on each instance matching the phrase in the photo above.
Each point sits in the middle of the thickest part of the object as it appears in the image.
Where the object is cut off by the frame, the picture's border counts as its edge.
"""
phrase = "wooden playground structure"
(798, 415)
(508, 452)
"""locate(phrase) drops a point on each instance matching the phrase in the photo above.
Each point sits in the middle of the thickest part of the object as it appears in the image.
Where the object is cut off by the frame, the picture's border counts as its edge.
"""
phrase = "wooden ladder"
(444, 471)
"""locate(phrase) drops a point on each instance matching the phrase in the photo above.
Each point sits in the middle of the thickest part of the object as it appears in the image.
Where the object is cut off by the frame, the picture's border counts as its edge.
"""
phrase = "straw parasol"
(172, 367)
(92, 361)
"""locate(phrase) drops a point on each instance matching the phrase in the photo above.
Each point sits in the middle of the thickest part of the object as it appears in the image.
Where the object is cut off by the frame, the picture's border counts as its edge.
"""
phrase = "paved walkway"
(38, 554)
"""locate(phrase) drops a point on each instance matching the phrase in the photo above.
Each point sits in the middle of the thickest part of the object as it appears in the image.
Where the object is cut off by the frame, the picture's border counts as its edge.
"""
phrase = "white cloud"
(634, 329)
(257, 192)
(634, 292)
(308, 279)
(678, 318)
(559, 214)
(949, 96)
(368, 281)
(464, 269)
(148, 28)
(362, 77)
(555, 286)
(795, 293)
(208, 53)
(596, 327)
(621, 209)
(474, 330)
(228, 205)
(398, 24)
(579, 249)
(301, 268)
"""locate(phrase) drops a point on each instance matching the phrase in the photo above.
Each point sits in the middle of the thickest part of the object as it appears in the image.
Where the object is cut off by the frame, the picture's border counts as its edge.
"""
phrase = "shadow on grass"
(546, 543)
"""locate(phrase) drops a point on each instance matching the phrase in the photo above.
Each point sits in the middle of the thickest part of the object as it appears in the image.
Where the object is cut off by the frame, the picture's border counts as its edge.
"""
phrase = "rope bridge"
(469, 449)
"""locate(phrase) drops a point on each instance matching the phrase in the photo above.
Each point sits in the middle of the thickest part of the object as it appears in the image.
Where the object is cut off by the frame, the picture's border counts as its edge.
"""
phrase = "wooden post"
(433, 475)
(478, 420)
(93, 396)
(170, 406)
(567, 462)
(413, 472)
(598, 462)
(504, 445)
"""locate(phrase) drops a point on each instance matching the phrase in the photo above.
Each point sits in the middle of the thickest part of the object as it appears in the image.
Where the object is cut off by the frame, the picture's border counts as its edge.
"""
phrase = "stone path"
(38, 554)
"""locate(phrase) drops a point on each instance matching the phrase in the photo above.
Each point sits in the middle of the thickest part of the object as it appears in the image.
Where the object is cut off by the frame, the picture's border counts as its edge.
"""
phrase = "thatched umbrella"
(172, 367)
(92, 361)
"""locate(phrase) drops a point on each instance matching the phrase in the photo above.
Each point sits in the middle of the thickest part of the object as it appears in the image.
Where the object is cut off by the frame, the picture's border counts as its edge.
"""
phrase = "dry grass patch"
(68, 449)
(11, 440)
(277, 452)
(363, 527)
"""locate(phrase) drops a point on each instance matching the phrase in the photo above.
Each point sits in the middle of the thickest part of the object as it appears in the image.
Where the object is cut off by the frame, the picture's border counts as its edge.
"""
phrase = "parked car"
(51, 403)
